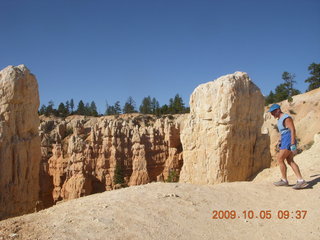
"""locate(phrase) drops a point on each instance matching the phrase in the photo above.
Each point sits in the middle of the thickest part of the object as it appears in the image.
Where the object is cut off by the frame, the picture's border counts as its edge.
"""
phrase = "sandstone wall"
(222, 138)
(19, 141)
(80, 154)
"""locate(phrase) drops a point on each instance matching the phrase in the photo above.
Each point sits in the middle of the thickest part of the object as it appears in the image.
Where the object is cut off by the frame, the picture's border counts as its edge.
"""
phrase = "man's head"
(275, 110)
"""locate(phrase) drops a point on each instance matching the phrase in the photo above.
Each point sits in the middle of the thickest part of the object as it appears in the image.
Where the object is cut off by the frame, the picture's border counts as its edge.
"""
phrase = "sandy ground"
(184, 211)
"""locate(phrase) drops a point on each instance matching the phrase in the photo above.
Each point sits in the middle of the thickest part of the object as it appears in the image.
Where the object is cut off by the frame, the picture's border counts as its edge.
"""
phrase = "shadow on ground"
(313, 181)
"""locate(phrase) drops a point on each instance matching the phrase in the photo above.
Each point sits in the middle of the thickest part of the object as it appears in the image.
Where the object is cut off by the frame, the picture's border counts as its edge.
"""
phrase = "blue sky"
(105, 50)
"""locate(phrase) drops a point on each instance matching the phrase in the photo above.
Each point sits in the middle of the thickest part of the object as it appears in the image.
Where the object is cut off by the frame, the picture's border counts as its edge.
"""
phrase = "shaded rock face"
(80, 154)
(19, 141)
(222, 138)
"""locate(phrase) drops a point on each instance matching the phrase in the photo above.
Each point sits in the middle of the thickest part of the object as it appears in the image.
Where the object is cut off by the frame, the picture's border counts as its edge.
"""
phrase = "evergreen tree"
(72, 105)
(281, 93)
(284, 91)
(118, 177)
(93, 109)
(155, 107)
(176, 105)
(107, 109)
(288, 79)
(129, 106)
(49, 109)
(81, 110)
(164, 109)
(314, 80)
(43, 110)
(170, 107)
(113, 110)
(117, 108)
(270, 98)
(87, 111)
(145, 106)
(62, 110)
(68, 107)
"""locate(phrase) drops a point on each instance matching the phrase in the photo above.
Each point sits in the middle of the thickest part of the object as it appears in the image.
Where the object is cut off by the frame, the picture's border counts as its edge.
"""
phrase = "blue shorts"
(285, 141)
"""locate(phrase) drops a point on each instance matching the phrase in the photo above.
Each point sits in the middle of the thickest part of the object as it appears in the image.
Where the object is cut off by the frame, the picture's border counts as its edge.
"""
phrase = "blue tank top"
(281, 127)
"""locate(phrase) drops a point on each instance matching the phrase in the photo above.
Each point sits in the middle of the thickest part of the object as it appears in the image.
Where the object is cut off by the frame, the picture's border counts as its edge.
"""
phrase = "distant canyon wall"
(81, 155)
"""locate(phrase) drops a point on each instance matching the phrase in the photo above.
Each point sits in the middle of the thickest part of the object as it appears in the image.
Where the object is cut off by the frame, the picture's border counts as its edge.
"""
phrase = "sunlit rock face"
(222, 138)
(19, 141)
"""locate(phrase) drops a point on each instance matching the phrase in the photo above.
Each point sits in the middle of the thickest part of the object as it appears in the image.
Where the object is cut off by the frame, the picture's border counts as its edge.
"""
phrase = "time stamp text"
(262, 214)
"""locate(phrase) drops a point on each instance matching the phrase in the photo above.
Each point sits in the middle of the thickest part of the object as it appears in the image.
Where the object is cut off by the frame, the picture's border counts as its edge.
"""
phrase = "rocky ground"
(185, 211)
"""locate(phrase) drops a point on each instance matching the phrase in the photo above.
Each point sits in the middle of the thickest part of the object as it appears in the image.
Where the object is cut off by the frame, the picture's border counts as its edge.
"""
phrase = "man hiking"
(288, 147)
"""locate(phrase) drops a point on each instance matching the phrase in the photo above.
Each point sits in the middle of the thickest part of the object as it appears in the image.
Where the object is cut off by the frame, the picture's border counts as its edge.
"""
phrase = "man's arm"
(289, 124)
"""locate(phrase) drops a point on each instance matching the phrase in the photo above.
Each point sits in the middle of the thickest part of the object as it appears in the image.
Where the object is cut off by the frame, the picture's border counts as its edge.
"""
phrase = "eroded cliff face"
(19, 141)
(80, 154)
(222, 138)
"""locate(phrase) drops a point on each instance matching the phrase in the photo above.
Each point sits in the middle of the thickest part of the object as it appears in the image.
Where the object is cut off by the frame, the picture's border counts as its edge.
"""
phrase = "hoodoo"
(19, 141)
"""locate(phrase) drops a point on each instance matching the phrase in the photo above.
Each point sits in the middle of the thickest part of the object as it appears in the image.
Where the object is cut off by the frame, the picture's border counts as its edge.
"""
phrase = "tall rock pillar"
(19, 141)
(222, 138)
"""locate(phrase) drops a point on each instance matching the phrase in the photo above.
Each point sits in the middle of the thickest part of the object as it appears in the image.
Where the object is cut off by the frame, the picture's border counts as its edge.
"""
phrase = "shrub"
(69, 131)
(173, 176)
(309, 145)
(292, 112)
(118, 177)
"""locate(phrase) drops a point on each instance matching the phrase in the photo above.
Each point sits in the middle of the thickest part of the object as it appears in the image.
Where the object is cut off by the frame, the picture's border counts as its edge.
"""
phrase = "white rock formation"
(222, 138)
(19, 141)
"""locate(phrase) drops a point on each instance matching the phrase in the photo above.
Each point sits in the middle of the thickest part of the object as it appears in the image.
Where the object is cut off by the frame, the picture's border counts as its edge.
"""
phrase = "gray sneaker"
(281, 183)
(300, 185)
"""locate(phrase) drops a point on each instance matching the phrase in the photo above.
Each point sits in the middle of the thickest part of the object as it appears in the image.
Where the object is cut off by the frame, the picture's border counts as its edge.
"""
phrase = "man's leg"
(294, 166)
(301, 183)
(283, 154)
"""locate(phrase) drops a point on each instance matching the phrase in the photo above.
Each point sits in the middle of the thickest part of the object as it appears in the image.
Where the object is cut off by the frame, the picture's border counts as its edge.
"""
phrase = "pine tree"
(93, 109)
(170, 107)
(176, 105)
(49, 109)
(106, 112)
(117, 108)
(68, 107)
(87, 111)
(314, 80)
(129, 106)
(81, 110)
(62, 110)
(113, 110)
(270, 98)
(72, 105)
(118, 177)
(145, 107)
(281, 93)
(155, 106)
(164, 109)
(43, 110)
(288, 79)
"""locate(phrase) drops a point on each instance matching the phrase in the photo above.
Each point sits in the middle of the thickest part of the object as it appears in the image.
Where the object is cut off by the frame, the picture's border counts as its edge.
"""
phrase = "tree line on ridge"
(284, 91)
(148, 106)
